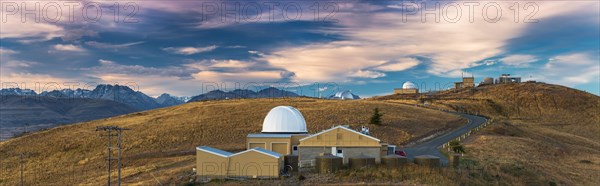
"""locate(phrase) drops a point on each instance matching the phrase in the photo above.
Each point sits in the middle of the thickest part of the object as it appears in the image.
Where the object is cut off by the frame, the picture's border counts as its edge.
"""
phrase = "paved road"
(430, 147)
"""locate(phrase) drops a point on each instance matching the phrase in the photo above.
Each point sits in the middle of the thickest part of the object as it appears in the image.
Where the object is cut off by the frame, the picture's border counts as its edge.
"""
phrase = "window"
(339, 151)
(295, 147)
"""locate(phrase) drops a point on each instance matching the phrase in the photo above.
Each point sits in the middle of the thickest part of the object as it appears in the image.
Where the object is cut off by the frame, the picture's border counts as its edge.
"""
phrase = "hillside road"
(430, 147)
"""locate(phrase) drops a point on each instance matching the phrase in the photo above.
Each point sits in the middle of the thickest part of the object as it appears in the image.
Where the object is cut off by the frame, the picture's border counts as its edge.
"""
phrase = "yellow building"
(284, 144)
(251, 163)
(284, 133)
(340, 141)
(211, 162)
(282, 129)
(407, 88)
(467, 82)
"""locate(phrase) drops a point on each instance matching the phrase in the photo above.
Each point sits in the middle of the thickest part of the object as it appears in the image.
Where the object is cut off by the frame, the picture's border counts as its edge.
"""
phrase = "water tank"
(488, 80)
(328, 163)
(290, 163)
(394, 161)
(362, 161)
(427, 160)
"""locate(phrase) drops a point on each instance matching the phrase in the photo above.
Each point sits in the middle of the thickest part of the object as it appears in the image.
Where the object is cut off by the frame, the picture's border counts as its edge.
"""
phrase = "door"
(295, 150)
(339, 152)
(280, 148)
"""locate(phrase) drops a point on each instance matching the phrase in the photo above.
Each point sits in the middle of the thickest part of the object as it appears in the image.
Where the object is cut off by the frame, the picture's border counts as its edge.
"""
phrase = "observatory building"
(284, 142)
(467, 82)
(282, 130)
(506, 78)
(344, 95)
(407, 88)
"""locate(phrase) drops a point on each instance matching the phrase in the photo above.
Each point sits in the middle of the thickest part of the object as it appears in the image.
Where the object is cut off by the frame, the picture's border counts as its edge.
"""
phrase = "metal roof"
(342, 127)
(260, 150)
(214, 151)
(269, 135)
(268, 152)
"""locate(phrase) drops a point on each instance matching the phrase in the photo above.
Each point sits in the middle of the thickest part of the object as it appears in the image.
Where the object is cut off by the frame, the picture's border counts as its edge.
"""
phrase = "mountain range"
(270, 92)
(25, 107)
(117, 93)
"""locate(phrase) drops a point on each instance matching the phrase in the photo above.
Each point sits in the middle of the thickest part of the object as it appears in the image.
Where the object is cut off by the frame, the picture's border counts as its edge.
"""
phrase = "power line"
(119, 131)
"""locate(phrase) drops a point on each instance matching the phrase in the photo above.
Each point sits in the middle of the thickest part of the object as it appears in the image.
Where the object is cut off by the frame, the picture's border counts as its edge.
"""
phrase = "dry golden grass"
(160, 145)
(543, 134)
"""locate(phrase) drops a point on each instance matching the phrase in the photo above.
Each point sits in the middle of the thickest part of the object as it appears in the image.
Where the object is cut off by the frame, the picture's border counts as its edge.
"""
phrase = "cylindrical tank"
(427, 160)
(488, 81)
(361, 161)
(290, 163)
(393, 161)
(328, 163)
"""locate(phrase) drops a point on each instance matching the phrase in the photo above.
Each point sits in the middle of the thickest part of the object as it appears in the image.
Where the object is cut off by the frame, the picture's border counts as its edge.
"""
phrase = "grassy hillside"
(160, 145)
(542, 134)
(40, 111)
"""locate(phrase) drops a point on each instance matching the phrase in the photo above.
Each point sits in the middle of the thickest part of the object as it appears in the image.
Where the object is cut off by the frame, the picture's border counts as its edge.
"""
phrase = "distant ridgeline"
(117, 93)
(141, 101)
(25, 110)
(270, 92)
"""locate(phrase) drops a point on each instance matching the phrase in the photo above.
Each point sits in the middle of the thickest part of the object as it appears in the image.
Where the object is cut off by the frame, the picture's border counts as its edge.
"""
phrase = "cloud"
(373, 37)
(111, 67)
(235, 46)
(75, 34)
(398, 65)
(111, 46)
(190, 50)
(518, 60)
(5, 51)
(571, 69)
(367, 74)
(230, 64)
(30, 29)
(68, 47)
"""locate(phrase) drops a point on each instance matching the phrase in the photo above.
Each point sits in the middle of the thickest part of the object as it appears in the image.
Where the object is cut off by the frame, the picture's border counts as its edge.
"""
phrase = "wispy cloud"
(518, 60)
(111, 67)
(366, 74)
(398, 65)
(5, 51)
(571, 69)
(111, 46)
(190, 50)
(68, 47)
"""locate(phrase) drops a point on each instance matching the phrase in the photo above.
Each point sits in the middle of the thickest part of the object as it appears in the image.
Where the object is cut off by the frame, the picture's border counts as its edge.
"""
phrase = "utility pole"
(22, 180)
(119, 131)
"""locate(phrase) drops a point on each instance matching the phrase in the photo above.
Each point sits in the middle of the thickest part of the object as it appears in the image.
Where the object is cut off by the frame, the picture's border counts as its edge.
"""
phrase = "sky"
(312, 47)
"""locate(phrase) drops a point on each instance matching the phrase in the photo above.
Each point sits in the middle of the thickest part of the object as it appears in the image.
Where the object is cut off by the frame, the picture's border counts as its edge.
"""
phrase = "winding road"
(430, 147)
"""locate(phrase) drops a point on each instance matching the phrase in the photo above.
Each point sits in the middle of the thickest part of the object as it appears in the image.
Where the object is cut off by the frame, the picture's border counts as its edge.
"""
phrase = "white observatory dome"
(346, 94)
(409, 85)
(284, 119)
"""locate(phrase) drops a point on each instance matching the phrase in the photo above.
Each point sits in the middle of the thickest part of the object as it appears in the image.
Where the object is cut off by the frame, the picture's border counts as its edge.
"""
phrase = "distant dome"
(346, 94)
(409, 85)
(284, 119)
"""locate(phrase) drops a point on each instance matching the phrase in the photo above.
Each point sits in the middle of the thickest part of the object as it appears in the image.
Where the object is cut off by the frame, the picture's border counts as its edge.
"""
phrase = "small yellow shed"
(251, 163)
(211, 162)
(255, 163)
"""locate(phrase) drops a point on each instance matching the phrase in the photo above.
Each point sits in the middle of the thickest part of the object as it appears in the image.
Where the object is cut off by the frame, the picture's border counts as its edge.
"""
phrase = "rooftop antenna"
(119, 131)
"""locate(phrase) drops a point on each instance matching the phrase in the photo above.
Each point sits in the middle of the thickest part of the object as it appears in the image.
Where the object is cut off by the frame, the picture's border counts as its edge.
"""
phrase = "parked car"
(400, 152)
